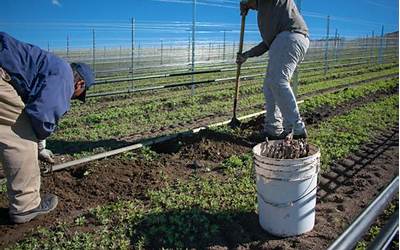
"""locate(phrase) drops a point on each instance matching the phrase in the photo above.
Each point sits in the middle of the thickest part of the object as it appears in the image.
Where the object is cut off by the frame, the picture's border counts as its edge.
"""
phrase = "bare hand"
(241, 58)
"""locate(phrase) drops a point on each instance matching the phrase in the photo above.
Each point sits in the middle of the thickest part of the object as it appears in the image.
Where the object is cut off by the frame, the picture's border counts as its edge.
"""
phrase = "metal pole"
(67, 47)
(372, 47)
(161, 55)
(48, 46)
(357, 229)
(381, 47)
(386, 234)
(193, 39)
(132, 46)
(94, 52)
(335, 45)
(223, 53)
(120, 55)
(327, 45)
(138, 55)
(188, 49)
(209, 51)
(367, 47)
(233, 50)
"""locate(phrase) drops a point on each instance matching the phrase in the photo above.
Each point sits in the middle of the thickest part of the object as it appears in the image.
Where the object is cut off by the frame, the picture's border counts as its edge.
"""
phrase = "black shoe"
(303, 135)
(49, 202)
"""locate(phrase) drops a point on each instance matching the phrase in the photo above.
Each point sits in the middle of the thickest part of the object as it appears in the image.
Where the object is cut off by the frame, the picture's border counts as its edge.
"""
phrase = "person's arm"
(49, 105)
(257, 50)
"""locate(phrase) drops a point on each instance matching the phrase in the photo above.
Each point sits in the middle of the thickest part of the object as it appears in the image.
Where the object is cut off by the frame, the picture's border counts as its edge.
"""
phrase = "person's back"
(36, 88)
(276, 16)
(43, 80)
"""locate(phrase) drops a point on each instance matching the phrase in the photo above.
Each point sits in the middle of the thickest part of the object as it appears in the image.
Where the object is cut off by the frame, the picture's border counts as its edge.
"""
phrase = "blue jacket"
(42, 80)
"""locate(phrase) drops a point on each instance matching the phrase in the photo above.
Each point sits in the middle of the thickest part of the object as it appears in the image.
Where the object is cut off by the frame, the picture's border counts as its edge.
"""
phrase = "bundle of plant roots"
(285, 149)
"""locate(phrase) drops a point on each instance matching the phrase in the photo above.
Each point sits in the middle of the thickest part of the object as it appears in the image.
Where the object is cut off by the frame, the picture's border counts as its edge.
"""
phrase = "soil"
(344, 191)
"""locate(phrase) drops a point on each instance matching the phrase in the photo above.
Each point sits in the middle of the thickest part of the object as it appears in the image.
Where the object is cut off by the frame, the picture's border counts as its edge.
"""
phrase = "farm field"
(119, 120)
(199, 191)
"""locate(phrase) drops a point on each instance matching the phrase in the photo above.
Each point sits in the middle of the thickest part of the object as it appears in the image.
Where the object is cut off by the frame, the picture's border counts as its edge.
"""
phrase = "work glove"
(241, 58)
(45, 154)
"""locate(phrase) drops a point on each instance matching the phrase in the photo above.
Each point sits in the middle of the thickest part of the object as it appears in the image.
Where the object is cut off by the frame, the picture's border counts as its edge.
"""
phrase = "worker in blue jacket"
(36, 88)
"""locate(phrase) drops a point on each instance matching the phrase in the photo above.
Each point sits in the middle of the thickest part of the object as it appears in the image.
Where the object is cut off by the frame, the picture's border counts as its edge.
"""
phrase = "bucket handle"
(287, 204)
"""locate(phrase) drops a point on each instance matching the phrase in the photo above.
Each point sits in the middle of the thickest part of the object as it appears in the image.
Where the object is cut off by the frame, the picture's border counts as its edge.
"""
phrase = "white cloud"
(56, 2)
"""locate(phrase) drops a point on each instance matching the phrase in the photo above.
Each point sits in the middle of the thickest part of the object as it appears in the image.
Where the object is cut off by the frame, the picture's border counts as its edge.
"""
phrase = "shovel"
(234, 123)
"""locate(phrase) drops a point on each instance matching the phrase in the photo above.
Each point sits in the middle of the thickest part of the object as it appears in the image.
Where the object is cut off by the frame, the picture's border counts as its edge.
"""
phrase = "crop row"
(123, 120)
(197, 211)
(224, 74)
(315, 76)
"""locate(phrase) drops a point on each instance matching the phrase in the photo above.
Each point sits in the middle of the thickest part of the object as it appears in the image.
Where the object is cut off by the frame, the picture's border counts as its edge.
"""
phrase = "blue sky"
(49, 22)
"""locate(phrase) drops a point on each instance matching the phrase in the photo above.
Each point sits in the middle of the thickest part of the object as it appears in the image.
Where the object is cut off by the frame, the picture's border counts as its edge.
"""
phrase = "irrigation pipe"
(147, 142)
(386, 234)
(357, 229)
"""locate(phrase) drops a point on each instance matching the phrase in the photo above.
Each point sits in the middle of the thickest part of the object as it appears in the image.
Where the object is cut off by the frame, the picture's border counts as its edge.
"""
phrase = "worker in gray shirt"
(285, 34)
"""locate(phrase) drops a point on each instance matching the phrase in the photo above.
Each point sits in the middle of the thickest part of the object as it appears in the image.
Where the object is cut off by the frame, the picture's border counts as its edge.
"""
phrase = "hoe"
(235, 122)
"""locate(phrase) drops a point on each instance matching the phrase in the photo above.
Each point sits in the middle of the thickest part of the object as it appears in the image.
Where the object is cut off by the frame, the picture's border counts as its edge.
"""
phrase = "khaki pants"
(18, 152)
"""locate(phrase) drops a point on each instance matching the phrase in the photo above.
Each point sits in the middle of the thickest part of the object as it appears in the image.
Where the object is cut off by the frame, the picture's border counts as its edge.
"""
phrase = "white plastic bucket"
(286, 192)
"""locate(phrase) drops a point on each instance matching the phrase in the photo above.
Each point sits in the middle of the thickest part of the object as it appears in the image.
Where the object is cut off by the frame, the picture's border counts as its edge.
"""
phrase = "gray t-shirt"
(274, 17)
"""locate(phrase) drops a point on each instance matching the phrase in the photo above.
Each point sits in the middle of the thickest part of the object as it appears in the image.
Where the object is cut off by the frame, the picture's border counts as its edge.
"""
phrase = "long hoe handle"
(235, 101)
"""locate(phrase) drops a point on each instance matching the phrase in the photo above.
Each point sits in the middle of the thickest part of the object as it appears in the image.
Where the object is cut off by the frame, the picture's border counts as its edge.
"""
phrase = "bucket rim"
(317, 153)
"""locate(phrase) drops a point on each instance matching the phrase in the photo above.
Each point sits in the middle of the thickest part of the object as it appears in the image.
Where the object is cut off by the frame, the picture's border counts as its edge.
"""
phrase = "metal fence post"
(132, 47)
(138, 55)
(67, 46)
(188, 49)
(367, 47)
(120, 56)
(193, 40)
(209, 51)
(94, 51)
(336, 45)
(327, 46)
(223, 53)
(161, 52)
(371, 58)
(381, 47)
(233, 50)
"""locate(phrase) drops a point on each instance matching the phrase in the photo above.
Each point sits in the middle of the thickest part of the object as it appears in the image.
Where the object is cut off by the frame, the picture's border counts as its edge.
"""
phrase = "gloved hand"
(45, 154)
(241, 58)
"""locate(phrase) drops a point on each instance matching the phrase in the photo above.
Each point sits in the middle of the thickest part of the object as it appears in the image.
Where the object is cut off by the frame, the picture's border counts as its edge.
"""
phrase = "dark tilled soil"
(344, 191)
(124, 178)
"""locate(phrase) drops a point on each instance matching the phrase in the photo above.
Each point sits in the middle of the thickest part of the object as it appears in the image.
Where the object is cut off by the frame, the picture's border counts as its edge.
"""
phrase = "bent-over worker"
(36, 88)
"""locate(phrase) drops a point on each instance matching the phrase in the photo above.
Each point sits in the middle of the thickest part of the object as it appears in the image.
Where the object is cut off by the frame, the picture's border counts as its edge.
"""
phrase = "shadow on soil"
(73, 147)
(194, 228)
(4, 219)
